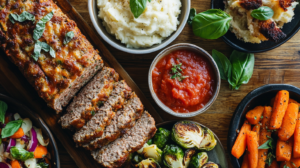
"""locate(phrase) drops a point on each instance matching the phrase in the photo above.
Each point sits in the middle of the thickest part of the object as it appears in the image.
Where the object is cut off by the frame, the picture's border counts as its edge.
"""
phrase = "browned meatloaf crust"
(117, 152)
(124, 118)
(94, 128)
(55, 79)
(269, 29)
(90, 98)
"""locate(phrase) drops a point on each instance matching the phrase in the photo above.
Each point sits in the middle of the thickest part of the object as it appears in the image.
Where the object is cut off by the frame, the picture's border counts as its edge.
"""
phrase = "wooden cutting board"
(18, 87)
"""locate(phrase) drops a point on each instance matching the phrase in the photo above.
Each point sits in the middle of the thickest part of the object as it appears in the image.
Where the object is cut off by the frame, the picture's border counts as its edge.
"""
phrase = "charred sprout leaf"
(21, 18)
(161, 137)
(150, 141)
(173, 156)
(3, 108)
(188, 154)
(11, 128)
(137, 158)
(187, 134)
(152, 151)
(262, 13)
(20, 153)
(199, 160)
(211, 24)
(69, 36)
(148, 163)
(209, 142)
(223, 63)
(193, 13)
(40, 26)
(137, 7)
(211, 165)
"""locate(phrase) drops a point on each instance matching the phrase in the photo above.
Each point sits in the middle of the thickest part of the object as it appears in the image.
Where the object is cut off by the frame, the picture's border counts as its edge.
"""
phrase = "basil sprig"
(11, 128)
(262, 13)
(21, 18)
(137, 7)
(20, 153)
(238, 70)
(40, 26)
(69, 36)
(38, 47)
(192, 14)
(269, 144)
(3, 108)
(211, 24)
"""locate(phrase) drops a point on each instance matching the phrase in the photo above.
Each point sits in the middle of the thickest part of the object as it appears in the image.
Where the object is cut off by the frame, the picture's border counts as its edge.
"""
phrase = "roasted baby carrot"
(240, 143)
(18, 134)
(274, 164)
(284, 150)
(296, 148)
(252, 146)
(264, 133)
(288, 125)
(254, 115)
(15, 164)
(293, 101)
(262, 156)
(40, 152)
(279, 108)
(256, 128)
(245, 163)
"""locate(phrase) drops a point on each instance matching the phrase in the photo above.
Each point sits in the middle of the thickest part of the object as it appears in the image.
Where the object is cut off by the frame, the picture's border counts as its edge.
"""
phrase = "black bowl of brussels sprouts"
(181, 144)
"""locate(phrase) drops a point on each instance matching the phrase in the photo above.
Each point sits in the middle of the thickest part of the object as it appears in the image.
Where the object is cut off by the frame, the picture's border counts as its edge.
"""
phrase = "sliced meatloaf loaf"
(90, 98)
(58, 70)
(124, 118)
(94, 128)
(117, 152)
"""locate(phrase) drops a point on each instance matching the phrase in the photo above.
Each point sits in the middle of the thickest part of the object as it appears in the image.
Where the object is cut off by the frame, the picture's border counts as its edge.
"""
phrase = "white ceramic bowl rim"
(214, 66)
(122, 47)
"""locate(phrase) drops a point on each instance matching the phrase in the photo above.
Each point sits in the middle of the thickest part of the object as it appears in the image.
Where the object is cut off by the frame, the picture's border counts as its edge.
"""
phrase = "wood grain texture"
(281, 65)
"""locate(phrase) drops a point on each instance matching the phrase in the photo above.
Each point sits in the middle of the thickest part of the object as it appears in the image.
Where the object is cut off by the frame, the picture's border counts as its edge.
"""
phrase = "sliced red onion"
(4, 165)
(25, 138)
(12, 142)
(33, 141)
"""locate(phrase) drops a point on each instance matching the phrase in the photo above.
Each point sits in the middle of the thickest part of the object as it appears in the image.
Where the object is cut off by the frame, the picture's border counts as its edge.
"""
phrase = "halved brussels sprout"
(148, 163)
(209, 142)
(173, 156)
(198, 160)
(211, 165)
(161, 137)
(140, 151)
(152, 151)
(188, 154)
(137, 158)
(187, 134)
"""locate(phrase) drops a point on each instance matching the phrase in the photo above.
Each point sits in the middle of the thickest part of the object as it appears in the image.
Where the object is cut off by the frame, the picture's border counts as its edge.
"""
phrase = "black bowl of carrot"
(265, 130)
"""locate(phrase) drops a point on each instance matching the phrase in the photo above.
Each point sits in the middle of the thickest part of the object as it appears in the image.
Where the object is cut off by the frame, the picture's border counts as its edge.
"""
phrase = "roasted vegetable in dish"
(152, 151)
(173, 156)
(199, 160)
(148, 163)
(187, 134)
(188, 154)
(137, 158)
(161, 137)
(209, 142)
(211, 165)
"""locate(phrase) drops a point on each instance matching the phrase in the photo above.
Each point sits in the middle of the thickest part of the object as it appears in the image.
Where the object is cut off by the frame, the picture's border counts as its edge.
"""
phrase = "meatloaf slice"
(117, 152)
(90, 99)
(56, 77)
(124, 118)
(103, 116)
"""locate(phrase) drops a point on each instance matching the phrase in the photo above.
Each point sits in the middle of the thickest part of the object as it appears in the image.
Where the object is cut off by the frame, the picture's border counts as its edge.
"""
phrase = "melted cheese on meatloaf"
(252, 30)
(54, 78)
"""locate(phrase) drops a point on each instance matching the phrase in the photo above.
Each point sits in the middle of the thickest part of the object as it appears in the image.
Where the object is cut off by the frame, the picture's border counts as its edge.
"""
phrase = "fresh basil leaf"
(242, 68)
(69, 36)
(211, 24)
(137, 7)
(37, 51)
(20, 153)
(223, 63)
(3, 108)
(11, 128)
(44, 46)
(193, 13)
(262, 13)
(21, 18)
(43, 165)
(52, 52)
(149, 0)
(40, 26)
(266, 145)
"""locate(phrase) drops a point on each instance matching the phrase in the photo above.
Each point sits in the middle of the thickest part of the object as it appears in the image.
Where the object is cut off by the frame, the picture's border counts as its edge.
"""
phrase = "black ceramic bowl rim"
(35, 116)
(236, 119)
(233, 45)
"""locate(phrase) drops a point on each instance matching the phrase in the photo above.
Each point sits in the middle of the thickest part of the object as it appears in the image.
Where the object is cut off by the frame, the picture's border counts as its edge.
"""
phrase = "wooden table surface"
(281, 65)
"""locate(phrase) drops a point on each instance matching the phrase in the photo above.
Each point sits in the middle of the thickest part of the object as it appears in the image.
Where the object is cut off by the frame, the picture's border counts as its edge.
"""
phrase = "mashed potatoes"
(158, 21)
(252, 30)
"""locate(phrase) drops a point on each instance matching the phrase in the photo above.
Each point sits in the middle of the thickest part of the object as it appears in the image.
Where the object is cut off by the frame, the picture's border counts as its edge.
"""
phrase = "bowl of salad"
(181, 144)
(26, 141)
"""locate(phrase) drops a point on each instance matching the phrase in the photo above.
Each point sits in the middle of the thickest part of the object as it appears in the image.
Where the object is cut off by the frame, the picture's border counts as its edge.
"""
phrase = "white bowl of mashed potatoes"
(160, 23)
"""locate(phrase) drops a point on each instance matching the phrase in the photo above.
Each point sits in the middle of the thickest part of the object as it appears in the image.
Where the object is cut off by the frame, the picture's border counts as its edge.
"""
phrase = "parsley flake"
(176, 72)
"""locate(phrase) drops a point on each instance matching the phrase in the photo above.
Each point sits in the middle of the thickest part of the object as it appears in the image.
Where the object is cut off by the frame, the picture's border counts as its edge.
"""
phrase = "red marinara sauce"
(192, 90)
